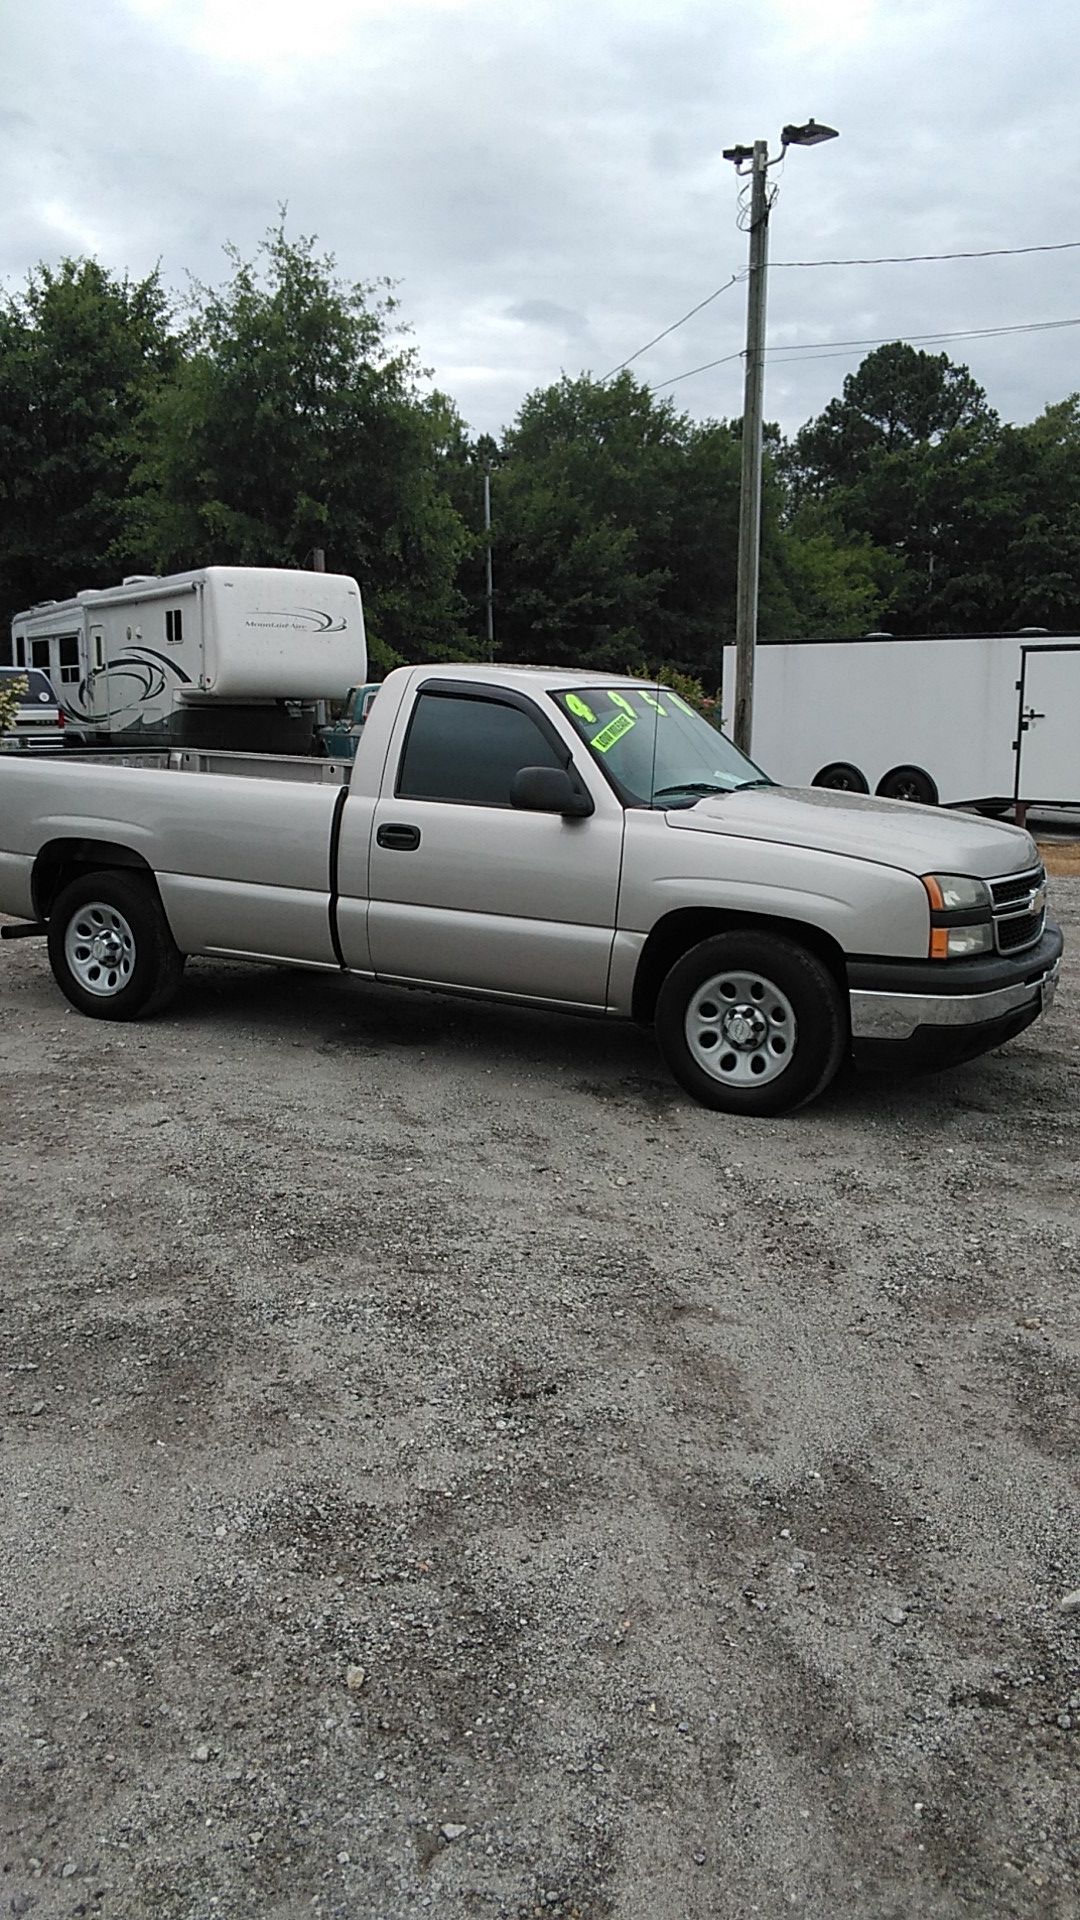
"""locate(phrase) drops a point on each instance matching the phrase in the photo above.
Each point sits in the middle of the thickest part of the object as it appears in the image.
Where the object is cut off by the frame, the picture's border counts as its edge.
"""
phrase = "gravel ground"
(444, 1470)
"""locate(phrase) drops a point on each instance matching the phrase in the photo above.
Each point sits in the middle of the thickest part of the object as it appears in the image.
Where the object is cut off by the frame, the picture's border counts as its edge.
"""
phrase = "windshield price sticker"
(622, 723)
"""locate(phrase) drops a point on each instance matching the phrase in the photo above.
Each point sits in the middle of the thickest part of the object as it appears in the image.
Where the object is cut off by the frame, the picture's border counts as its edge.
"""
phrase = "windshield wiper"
(696, 787)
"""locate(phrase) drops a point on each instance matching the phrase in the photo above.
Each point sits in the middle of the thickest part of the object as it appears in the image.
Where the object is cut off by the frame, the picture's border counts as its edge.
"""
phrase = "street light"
(755, 161)
(809, 136)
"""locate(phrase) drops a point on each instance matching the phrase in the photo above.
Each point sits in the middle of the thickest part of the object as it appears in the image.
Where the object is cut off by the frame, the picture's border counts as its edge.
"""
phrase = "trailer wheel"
(749, 1022)
(908, 783)
(110, 947)
(843, 777)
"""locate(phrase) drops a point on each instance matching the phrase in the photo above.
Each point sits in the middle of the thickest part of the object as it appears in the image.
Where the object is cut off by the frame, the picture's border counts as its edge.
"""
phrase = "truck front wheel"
(751, 1023)
(110, 947)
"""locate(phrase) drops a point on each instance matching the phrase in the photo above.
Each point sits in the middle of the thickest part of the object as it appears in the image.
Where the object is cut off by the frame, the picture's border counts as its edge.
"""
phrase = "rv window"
(39, 654)
(68, 657)
(174, 626)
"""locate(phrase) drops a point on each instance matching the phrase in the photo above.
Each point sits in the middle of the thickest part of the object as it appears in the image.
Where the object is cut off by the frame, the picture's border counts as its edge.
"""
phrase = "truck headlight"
(961, 917)
(957, 893)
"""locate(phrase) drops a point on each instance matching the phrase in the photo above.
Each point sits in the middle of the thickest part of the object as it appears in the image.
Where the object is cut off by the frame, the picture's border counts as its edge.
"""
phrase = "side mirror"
(550, 790)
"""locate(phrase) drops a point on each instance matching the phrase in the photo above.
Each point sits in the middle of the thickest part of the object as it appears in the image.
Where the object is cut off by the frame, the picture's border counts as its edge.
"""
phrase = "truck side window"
(468, 750)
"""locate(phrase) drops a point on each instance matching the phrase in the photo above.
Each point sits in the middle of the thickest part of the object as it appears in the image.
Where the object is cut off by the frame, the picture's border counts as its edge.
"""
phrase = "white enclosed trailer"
(991, 720)
(217, 657)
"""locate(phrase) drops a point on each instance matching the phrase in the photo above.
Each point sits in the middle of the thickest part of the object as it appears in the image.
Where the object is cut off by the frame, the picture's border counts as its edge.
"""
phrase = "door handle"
(1030, 714)
(398, 839)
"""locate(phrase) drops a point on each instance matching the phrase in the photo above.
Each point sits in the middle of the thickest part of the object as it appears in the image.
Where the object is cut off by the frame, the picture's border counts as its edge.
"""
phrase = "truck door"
(466, 890)
(1048, 742)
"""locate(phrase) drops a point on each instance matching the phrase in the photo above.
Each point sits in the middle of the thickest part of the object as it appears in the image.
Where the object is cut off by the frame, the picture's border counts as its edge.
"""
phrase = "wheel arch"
(686, 927)
(63, 860)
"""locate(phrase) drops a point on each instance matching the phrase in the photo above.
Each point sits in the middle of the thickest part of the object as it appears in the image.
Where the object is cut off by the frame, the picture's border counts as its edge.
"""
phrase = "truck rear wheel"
(110, 947)
(751, 1023)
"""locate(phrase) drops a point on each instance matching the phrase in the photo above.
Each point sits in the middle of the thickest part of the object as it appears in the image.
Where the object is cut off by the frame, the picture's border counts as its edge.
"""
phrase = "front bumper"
(900, 1015)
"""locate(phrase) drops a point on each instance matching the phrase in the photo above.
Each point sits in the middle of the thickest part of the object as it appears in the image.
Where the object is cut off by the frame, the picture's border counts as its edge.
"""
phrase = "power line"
(825, 347)
(690, 374)
(877, 260)
(838, 349)
(905, 259)
(709, 298)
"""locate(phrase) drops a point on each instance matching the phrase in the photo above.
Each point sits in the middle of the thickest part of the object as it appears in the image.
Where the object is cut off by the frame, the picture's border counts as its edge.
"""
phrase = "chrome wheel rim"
(741, 1029)
(99, 948)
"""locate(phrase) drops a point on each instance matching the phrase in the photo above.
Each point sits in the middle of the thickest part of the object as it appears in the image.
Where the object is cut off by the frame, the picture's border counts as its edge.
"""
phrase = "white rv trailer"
(991, 720)
(207, 658)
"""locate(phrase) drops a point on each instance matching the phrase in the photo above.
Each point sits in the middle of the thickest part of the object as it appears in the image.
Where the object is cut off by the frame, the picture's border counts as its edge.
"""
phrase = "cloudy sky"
(545, 180)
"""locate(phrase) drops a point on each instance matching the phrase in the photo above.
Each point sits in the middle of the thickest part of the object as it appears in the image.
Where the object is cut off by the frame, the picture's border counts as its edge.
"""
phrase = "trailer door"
(97, 676)
(1048, 755)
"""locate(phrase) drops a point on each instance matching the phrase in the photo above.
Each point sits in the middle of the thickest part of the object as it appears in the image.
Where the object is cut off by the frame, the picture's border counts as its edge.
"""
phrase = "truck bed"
(251, 766)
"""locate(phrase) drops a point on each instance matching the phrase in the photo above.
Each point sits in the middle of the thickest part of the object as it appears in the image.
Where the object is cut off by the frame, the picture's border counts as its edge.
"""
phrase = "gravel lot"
(444, 1470)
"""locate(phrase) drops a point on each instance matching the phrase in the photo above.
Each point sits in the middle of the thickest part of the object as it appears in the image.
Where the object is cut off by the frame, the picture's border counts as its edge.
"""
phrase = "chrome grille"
(1019, 905)
(1007, 892)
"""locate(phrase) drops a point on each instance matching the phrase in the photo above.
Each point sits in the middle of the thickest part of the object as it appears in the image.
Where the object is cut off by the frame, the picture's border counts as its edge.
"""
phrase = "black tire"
(814, 1031)
(908, 783)
(123, 909)
(843, 777)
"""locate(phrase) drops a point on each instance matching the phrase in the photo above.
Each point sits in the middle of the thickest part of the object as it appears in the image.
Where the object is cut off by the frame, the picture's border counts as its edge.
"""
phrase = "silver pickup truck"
(555, 839)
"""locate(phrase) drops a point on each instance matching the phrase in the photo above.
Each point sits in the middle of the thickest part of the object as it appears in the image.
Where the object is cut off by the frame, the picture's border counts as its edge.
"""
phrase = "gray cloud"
(546, 181)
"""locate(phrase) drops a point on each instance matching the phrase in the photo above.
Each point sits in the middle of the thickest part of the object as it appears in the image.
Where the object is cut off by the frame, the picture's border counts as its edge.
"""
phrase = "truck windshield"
(655, 749)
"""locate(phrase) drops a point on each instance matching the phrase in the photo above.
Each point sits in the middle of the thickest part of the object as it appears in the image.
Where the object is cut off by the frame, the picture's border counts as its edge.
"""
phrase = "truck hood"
(893, 833)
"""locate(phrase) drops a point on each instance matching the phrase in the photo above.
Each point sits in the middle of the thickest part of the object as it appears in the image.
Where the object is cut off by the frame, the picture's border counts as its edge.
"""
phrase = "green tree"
(899, 400)
(463, 465)
(295, 422)
(828, 584)
(616, 538)
(81, 353)
(906, 466)
(616, 522)
(11, 689)
(1039, 473)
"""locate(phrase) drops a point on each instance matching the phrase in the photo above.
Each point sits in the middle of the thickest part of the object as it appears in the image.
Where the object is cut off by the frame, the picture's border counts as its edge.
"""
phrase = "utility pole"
(318, 559)
(488, 594)
(746, 592)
